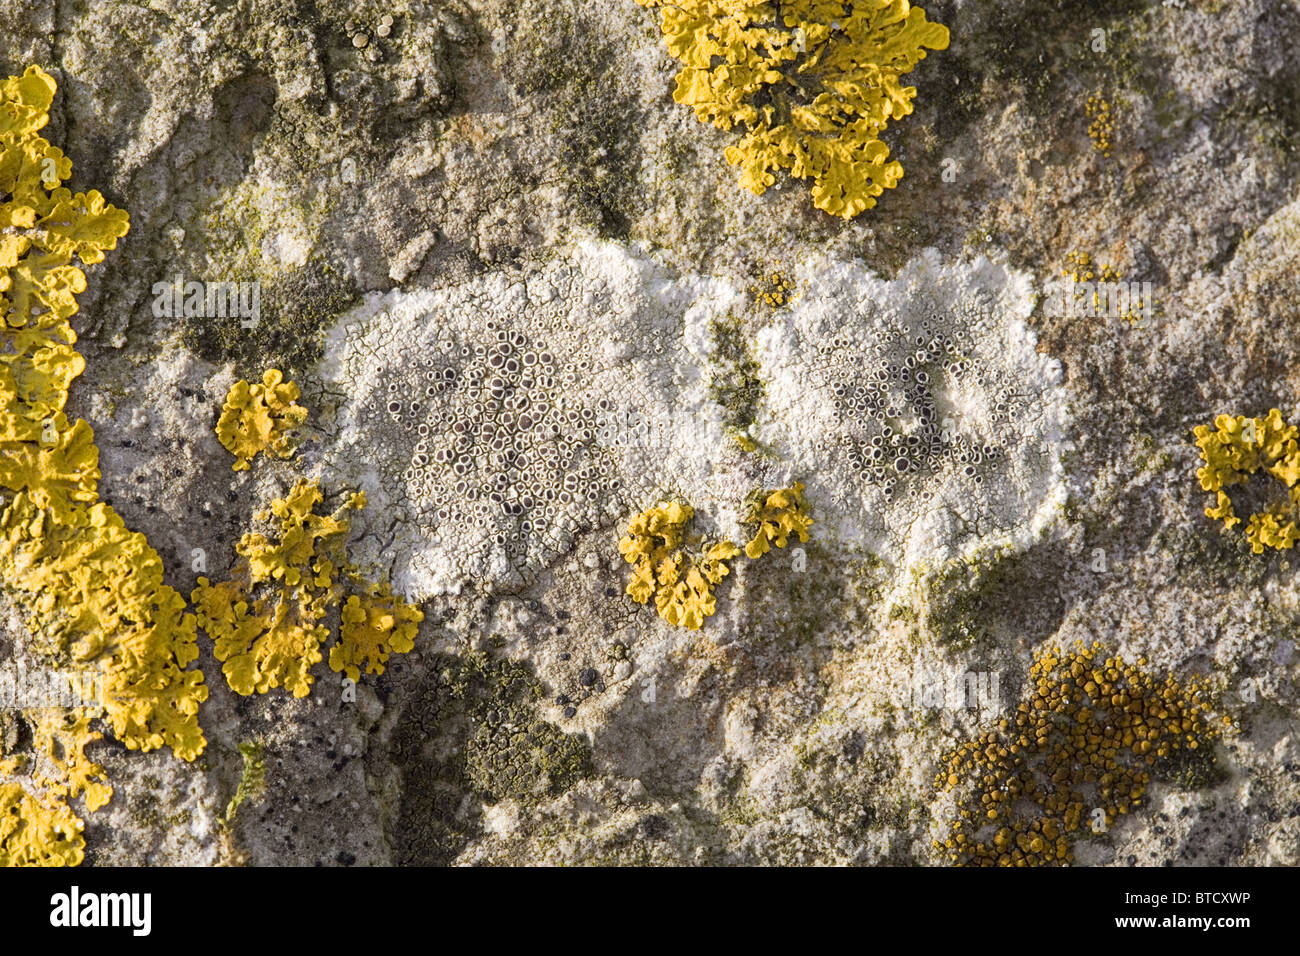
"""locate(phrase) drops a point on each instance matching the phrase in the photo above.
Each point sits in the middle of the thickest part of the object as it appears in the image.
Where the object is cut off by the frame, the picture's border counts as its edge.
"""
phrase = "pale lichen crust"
(920, 409)
(519, 410)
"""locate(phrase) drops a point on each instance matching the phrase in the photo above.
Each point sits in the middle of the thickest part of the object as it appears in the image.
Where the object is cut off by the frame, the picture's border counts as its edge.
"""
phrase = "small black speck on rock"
(346, 858)
(1132, 860)
(231, 495)
(570, 711)
(587, 677)
(600, 687)
(611, 592)
(562, 700)
(565, 656)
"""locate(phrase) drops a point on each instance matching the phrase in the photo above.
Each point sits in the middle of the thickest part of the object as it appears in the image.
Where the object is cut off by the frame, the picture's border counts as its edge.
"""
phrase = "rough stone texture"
(523, 163)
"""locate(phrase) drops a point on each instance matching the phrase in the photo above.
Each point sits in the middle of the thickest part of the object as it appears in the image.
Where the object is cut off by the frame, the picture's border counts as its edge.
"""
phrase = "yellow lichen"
(91, 590)
(37, 833)
(1237, 448)
(61, 737)
(374, 624)
(775, 289)
(1080, 268)
(1076, 755)
(776, 515)
(260, 417)
(1102, 125)
(811, 84)
(681, 584)
(268, 620)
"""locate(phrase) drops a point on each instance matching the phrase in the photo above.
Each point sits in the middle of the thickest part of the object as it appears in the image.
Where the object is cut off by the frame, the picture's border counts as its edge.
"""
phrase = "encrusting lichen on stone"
(777, 515)
(260, 417)
(1077, 753)
(268, 619)
(91, 591)
(33, 833)
(1102, 125)
(1237, 448)
(810, 83)
(682, 584)
(374, 624)
(680, 573)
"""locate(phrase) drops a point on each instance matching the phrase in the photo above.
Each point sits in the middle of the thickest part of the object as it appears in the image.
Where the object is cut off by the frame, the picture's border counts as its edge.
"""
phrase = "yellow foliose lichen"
(1237, 448)
(374, 624)
(91, 591)
(810, 84)
(681, 584)
(776, 515)
(260, 417)
(34, 832)
(267, 620)
(61, 737)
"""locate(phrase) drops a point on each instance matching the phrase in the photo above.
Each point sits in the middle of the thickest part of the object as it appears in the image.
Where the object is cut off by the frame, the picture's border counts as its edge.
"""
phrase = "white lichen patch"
(918, 409)
(493, 421)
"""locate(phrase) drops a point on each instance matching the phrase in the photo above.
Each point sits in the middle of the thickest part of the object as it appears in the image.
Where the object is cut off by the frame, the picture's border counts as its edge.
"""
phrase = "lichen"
(776, 515)
(1236, 449)
(473, 735)
(61, 738)
(1102, 125)
(1078, 753)
(374, 624)
(734, 382)
(811, 84)
(681, 581)
(36, 833)
(268, 619)
(90, 589)
(260, 417)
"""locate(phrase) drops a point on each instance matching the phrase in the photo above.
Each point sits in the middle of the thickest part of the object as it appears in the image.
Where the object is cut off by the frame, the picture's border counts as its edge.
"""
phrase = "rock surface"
(487, 190)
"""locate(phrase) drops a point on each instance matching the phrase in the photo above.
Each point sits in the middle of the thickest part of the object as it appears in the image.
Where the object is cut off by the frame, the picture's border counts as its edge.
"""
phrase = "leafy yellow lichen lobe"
(1237, 448)
(776, 516)
(681, 584)
(374, 624)
(810, 84)
(260, 417)
(267, 620)
(37, 833)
